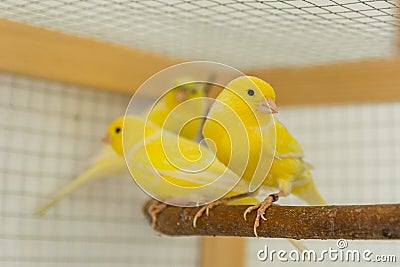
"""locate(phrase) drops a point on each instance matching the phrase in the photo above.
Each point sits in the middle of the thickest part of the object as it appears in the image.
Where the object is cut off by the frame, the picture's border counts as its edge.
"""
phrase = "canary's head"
(114, 135)
(127, 131)
(249, 96)
(184, 89)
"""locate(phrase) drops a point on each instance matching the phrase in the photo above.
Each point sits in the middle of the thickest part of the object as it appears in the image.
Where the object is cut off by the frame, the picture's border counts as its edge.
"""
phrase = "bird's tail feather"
(92, 173)
(309, 193)
(297, 244)
(64, 191)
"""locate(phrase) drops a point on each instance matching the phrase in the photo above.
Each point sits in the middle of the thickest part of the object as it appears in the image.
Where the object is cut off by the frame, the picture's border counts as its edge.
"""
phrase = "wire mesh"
(243, 34)
(48, 131)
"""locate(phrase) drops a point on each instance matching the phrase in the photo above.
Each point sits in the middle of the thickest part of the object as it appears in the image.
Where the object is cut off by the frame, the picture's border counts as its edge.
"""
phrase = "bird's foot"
(223, 201)
(154, 209)
(261, 209)
(206, 208)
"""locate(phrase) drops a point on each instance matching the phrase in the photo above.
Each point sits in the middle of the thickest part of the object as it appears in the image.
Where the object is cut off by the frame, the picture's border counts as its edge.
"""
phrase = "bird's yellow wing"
(178, 120)
(286, 144)
(174, 169)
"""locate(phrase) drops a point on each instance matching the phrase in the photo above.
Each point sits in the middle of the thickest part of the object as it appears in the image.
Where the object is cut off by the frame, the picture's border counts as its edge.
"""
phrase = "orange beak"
(272, 105)
(268, 106)
(106, 139)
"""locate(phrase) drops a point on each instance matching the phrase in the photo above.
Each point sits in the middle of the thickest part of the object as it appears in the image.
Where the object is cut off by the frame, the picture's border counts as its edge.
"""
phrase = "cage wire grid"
(244, 34)
(49, 131)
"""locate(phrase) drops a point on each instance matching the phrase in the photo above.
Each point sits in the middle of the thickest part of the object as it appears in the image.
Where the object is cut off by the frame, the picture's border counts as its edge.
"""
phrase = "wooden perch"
(297, 222)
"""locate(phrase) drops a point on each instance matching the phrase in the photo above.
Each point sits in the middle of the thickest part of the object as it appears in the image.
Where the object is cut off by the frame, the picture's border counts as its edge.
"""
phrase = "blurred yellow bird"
(252, 101)
(169, 114)
(108, 163)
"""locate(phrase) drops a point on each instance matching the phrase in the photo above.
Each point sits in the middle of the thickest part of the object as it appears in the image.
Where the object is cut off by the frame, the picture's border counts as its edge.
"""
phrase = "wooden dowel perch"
(297, 222)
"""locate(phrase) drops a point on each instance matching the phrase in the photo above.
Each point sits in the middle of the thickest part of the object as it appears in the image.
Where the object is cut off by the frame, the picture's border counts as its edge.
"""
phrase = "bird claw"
(207, 209)
(250, 209)
(261, 209)
(256, 224)
(154, 209)
(198, 215)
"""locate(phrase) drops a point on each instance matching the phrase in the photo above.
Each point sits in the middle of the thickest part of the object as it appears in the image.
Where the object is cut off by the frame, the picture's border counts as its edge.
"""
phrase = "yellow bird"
(176, 109)
(274, 157)
(108, 163)
(172, 169)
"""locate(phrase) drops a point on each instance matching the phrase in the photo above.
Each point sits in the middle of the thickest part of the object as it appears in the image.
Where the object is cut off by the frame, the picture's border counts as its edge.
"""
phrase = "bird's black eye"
(117, 130)
(250, 92)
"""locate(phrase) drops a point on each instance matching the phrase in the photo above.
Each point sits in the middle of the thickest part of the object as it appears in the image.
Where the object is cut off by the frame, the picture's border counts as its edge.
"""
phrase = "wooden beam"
(375, 80)
(50, 54)
(222, 251)
(359, 222)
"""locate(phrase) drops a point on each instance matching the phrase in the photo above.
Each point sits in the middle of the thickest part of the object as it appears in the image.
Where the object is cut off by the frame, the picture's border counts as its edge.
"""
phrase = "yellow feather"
(107, 163)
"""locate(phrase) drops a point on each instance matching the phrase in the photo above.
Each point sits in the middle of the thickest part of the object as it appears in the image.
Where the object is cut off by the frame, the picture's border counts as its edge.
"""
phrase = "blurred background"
(68, 68)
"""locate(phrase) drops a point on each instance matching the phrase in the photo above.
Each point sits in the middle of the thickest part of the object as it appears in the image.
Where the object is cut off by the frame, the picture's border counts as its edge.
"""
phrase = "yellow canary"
(274, 156)
(108, 163)
(173, 114)
(172, 169)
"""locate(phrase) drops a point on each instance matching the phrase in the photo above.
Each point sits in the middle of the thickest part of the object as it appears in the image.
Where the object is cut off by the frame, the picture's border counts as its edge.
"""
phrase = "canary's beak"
(181, 96)
(268, 106)
(106, 139)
